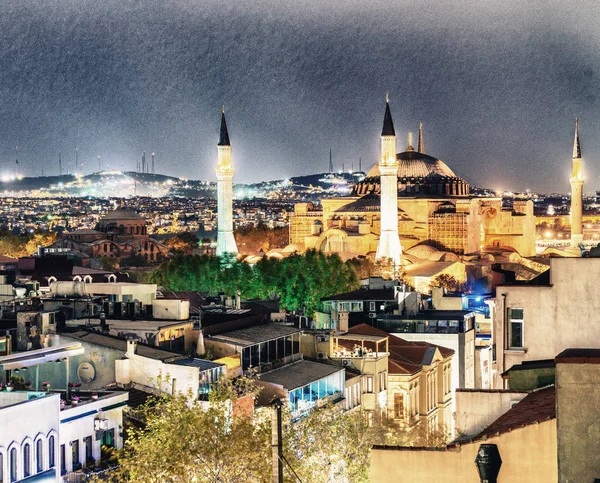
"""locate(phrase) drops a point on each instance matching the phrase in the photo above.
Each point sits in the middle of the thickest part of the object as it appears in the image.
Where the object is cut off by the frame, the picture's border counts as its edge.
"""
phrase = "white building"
(49, 434)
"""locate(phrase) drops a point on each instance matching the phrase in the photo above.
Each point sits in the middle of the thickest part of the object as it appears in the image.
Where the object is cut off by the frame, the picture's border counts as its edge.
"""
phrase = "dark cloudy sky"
(496, 84)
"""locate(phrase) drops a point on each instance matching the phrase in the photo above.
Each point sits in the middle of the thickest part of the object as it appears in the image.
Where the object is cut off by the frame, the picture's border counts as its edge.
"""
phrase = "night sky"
(496, 84)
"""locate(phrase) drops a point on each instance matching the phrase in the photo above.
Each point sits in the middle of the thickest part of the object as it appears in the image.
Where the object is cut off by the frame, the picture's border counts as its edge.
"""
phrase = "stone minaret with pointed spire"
(225, 239)
(576, 191)
(421, 141)
(389, 241)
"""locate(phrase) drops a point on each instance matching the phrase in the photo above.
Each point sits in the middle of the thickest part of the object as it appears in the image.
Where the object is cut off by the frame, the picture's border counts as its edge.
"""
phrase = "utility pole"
(276, 442)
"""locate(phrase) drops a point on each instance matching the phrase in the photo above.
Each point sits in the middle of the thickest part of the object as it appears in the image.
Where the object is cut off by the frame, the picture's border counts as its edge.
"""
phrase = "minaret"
(153, 172)
(409, 147)
(225, 239)
(421, 141)
(330, 162)
(389, 241)
(576, 192)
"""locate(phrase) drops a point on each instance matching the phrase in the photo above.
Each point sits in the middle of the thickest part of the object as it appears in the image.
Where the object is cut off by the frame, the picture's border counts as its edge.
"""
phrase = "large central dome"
(418, 175)
(412, 164)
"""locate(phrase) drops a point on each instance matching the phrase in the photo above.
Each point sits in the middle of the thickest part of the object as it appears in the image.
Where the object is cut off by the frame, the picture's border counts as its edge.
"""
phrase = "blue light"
(477, 299)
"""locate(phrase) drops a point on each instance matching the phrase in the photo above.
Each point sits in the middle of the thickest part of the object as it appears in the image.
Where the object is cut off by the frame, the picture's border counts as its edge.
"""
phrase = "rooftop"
(578, 356)
(405, 357)
(298, 374)
(40, 356)
(201, 364)
(432, 315)
(121, 344)
(364, 294)
(257, 334)
(537, 407)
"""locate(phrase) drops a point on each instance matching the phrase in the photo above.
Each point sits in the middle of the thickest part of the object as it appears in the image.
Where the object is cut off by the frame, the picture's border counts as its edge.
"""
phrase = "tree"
(448, 282)
(184, 440)
(17, 246)
(330, 445)
(184, 243)
(300, 281)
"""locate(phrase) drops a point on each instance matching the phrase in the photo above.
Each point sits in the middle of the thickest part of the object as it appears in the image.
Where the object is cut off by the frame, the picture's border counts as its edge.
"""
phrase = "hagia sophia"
(435, 208)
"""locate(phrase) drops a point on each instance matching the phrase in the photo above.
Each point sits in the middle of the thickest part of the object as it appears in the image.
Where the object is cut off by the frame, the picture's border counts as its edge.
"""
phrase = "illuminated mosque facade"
(433, 207)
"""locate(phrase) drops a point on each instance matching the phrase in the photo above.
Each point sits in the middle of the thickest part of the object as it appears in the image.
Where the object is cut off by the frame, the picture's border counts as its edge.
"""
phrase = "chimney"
(131, 347)
(200, 348)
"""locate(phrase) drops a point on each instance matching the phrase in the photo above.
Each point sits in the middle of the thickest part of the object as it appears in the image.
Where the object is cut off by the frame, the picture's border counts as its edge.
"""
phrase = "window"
(371, 306)
(515, 317)
(1, 467)
(63, 458)
(27, 460)
(13, 464)
(369, 384)
(51, 458)
(88, 449)
(398, 405)
(108, 438)
(75, 453)
(39, 458)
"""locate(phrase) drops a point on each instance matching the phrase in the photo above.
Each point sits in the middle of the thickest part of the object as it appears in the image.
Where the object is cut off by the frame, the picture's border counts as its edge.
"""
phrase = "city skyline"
(496, 87)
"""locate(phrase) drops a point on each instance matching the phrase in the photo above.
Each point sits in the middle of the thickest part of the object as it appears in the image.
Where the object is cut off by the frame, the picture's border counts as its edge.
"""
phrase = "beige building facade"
(536, 322)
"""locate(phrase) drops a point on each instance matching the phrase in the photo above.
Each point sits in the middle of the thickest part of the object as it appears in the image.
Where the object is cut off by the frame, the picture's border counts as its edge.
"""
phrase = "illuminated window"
(516, 328)
(398, 405)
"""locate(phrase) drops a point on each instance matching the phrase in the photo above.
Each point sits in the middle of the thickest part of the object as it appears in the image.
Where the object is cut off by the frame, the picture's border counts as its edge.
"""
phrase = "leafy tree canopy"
(299, 280)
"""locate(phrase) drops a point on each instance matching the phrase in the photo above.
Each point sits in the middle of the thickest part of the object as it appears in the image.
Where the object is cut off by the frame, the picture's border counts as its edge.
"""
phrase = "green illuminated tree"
(299, 280)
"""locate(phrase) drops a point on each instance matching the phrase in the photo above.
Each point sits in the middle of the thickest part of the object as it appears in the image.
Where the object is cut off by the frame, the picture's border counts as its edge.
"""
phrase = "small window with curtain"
(516, 326)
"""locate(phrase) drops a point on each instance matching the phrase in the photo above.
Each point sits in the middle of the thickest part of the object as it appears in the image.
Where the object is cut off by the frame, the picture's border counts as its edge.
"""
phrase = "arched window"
(27, 460)
(146, 246)
(87, 279)
(51, 452)
(39, 455)
(1, 466)
(13, 465)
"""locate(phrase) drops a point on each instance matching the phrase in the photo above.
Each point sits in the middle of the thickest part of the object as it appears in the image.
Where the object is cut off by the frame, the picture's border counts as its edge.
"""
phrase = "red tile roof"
(537, 407)
(406, 357)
